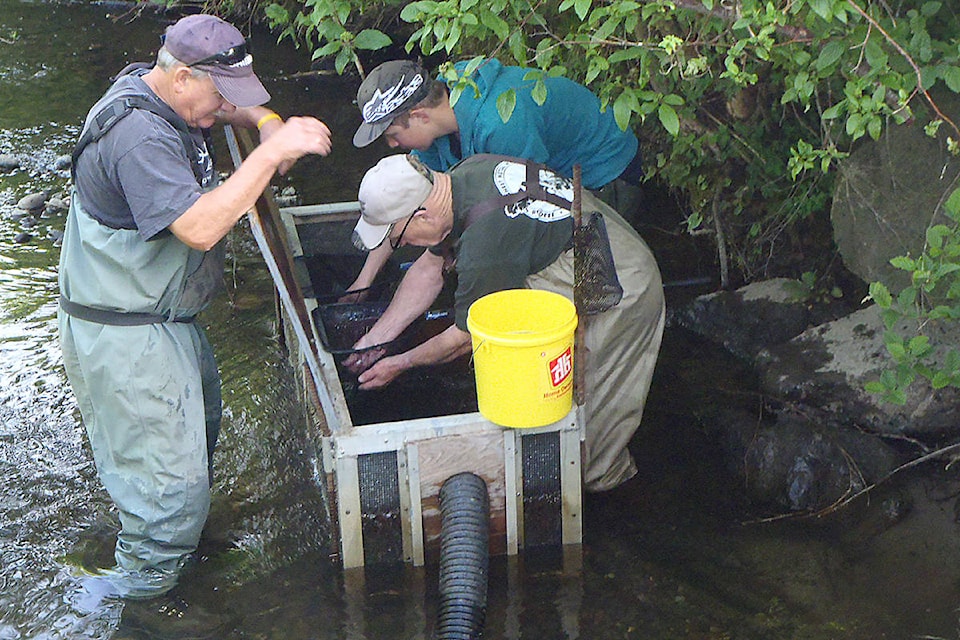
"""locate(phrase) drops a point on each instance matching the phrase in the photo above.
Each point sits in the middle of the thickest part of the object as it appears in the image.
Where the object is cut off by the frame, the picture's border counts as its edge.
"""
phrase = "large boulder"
(888, 193)
(828, 366)
(748, 319)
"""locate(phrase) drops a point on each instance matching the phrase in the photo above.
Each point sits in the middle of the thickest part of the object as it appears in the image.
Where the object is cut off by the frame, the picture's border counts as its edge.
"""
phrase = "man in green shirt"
(473, 221)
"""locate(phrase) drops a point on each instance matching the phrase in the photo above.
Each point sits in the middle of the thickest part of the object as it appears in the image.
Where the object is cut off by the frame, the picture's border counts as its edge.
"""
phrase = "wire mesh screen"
(380, 508)
(541, 489)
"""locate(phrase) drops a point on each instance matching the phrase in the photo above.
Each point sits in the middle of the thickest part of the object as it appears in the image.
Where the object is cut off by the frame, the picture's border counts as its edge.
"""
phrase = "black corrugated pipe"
(464, 557)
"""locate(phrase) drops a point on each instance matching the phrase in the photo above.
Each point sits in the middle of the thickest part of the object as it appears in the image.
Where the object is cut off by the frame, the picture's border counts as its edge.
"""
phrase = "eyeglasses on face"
(395, 242)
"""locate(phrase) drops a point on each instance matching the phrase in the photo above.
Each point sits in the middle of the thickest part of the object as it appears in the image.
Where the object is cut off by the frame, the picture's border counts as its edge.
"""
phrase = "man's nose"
(393, 144)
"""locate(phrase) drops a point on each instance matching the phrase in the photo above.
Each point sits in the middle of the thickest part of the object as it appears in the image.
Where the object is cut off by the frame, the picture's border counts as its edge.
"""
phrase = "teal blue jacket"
(568, 128)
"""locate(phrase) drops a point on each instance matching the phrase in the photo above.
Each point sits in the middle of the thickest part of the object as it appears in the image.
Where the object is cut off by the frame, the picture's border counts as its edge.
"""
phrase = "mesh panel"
(380, 508)
(541, 489)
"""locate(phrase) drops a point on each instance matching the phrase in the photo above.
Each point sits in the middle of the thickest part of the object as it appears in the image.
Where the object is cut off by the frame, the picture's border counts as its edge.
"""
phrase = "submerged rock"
(62, 163)
(33, 201)
(801, 461)
(8, 162)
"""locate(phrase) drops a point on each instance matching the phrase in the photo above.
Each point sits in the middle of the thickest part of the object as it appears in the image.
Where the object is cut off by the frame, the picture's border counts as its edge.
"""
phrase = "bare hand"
(382, 373)
(295, 138)
(362, 360)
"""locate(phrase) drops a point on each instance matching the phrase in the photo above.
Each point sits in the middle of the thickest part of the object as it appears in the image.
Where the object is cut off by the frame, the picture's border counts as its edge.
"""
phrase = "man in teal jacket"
(399, 101)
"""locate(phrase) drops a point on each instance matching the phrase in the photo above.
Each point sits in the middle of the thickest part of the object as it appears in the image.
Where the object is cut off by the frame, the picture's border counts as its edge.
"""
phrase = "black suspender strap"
(116, 110)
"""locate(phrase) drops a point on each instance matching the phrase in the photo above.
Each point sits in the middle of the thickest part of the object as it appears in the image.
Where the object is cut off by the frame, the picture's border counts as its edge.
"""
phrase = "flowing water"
(668, 559)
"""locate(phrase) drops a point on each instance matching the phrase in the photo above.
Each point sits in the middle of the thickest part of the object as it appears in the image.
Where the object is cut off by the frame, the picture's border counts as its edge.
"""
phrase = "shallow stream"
(676, 556)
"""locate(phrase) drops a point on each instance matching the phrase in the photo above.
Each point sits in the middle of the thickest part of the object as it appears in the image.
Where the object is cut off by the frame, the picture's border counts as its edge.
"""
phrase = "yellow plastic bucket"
(523, 356)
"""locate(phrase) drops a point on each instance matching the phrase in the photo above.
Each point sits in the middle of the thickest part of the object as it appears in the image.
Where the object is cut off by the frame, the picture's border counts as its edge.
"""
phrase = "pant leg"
(141, 395)
(619, 351)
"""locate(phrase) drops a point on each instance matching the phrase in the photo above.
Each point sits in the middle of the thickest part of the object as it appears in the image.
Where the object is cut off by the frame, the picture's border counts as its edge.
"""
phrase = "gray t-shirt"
(139, 176)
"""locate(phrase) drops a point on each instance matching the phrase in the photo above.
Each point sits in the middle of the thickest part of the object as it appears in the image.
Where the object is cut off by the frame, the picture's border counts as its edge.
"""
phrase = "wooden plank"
(513, 491)
(480, 454)
(415, 514)
(265, 224)
(348, 509)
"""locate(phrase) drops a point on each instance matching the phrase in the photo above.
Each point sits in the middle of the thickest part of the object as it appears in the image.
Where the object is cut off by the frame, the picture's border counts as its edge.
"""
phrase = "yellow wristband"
(267, 118)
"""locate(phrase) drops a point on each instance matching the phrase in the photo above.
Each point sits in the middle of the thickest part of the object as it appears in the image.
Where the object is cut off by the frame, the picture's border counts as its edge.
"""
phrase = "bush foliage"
(744, 107)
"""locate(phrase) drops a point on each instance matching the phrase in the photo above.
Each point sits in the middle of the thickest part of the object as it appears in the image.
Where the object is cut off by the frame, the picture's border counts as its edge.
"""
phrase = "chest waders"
(143, 373)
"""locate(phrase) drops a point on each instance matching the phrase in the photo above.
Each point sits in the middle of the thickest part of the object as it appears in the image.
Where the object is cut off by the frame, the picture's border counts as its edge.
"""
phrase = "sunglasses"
(227, 57)
(395, 242)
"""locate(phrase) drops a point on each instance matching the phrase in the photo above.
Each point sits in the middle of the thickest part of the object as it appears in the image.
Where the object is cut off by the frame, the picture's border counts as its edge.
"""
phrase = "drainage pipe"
(464, 557)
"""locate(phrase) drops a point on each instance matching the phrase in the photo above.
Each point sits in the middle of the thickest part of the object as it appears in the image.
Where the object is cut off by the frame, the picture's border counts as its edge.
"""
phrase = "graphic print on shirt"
(510, 177)
(205, 162)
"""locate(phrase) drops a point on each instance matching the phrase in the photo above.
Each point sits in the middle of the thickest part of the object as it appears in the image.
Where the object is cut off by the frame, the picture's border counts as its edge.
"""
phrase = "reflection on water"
(665, 560)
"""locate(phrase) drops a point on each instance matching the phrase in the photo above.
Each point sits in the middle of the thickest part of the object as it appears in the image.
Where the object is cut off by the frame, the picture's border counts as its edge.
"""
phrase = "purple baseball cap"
(217, 47)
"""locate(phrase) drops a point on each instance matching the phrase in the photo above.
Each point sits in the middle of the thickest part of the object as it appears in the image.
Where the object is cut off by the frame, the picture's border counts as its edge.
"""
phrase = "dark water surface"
(668, 559)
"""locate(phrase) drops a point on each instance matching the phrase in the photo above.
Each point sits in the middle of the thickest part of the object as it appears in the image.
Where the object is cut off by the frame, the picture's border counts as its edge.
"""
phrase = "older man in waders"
(141, 258)
(505, 223)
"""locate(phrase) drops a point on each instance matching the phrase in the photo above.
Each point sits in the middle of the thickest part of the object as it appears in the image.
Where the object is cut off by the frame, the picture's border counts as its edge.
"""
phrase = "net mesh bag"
(596, 287)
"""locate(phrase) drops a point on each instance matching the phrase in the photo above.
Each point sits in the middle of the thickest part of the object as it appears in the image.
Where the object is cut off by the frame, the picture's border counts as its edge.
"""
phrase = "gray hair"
(166, 61)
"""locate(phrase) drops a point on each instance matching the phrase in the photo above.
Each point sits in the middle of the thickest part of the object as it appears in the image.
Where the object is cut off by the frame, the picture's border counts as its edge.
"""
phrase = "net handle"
(575, 206)
(579, 363)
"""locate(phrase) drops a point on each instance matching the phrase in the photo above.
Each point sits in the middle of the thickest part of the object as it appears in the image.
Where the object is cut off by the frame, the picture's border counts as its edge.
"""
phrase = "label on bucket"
(561, 367)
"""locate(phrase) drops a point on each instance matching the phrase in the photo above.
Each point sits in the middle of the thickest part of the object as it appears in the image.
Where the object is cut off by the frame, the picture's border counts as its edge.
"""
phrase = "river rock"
(33, 201)
(9, 162)
(748, 319)
(828, 366)
(888, 193)
(62, 163)
(57, 204)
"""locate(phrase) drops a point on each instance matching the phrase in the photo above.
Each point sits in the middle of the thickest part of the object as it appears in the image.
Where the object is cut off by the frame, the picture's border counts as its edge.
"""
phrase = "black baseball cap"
(390, 90)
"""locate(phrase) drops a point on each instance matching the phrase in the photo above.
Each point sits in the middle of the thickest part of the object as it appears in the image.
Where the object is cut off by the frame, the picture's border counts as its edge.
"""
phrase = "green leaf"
(919, 346)
(876, 57)
(936, 235)
(668, 118)
(874, 386)
(823, 8)
(952, 205)
(941, 380)
(581, 7)
(830, 54)
(506, 102)
(496, 24)
(623, 108)
(951, 77)
(371, 40)
(344, 57)
(629, 53)
(539, 92)
(880, 294)
(904, 263)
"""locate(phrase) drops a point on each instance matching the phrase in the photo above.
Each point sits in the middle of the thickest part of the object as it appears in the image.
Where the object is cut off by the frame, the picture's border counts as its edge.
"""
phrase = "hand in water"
(360, 361)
